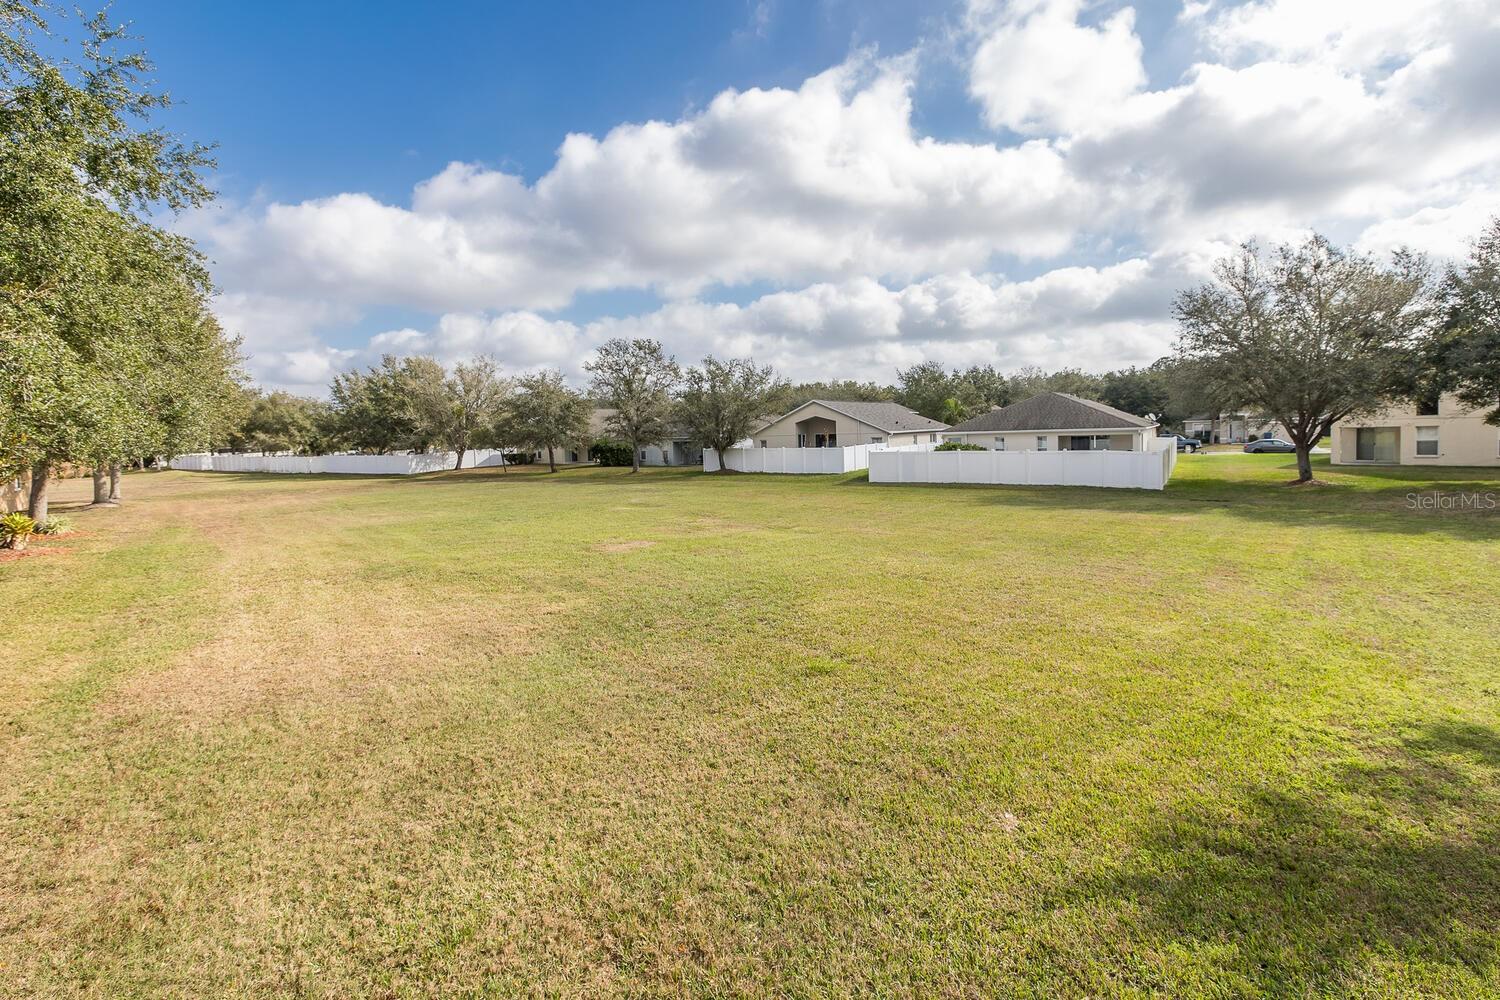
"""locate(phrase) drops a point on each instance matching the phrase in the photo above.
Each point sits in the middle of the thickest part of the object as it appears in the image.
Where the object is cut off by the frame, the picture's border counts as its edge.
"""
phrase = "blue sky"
(838, 188)
(311, 99)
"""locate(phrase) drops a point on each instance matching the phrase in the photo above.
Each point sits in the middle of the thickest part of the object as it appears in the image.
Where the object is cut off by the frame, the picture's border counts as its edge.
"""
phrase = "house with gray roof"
(838, 423)
(1055, 421)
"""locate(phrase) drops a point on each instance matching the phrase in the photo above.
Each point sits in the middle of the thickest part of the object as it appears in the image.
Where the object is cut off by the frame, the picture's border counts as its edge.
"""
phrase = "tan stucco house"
(1440, 431)
(1055, 421)
(836, 423)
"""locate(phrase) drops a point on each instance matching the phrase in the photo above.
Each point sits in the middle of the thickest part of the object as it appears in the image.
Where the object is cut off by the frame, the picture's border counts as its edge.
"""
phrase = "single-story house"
(1231, 428)
(838, 423)
(1435, 431)
(1055, 421)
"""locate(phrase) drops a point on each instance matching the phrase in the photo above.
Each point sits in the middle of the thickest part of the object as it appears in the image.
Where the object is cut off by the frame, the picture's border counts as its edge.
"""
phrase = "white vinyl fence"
(802, 461)
(1142, 470)
(350, 465)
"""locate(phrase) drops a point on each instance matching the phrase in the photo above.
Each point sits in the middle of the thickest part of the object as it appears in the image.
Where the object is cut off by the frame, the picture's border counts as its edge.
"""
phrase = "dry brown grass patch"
(623, 546)
(329, 647)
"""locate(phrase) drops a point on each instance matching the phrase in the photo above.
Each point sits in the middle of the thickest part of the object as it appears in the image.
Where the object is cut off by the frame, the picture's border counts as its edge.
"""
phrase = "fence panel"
(790, 461)
(349, 465)
(1114, 469)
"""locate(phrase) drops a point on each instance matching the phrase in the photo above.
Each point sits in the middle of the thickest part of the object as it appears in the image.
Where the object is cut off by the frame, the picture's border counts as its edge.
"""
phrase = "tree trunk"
(635, 457)
(551, 462)
(41, 476)
(460, 463)
(114, 482)
(101, 485)
(1304, 462)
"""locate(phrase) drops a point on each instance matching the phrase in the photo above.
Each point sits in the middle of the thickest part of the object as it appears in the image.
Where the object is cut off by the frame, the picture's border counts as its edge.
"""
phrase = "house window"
(932, 439)
(1041, 442)
(999, 444)
(801, 440)
(877, 440)
(762, 442)
(1427, 442)
(643, 454)
(1427, 406)
(952, 439)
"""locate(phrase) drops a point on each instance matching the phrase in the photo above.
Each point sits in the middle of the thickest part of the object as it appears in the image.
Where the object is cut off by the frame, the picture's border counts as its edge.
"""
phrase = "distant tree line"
(415, 404)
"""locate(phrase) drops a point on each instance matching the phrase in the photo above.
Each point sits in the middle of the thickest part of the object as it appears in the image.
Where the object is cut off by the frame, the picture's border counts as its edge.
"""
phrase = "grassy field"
(594, 734)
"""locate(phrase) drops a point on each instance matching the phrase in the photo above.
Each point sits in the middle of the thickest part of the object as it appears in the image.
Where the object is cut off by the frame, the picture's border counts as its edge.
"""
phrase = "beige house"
(1433, 432)
(1055, 421)
(837, 423)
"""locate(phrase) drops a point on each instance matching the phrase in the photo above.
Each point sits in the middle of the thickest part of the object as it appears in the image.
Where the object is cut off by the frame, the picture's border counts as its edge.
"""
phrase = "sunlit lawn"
(594, 734)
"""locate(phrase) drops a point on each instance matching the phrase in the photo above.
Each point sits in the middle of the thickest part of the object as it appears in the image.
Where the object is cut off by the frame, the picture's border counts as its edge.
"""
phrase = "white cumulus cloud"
(872, 245)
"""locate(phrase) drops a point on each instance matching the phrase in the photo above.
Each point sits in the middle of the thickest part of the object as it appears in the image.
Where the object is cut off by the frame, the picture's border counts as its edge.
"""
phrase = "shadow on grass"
(1362, 500)
(1297, 892)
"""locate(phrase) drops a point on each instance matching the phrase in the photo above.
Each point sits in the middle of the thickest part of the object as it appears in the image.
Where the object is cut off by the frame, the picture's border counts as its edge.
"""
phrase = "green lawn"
(670, 734)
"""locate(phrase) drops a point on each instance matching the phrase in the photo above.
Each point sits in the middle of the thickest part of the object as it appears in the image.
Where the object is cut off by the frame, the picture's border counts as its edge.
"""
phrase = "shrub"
(959, 446)
(518, 458)
(609, 453)
(55, 526)
(15, 530)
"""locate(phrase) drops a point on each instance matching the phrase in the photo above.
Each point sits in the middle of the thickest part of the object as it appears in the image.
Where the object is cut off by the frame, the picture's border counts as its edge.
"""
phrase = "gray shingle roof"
(893, 418)
(1052, 411)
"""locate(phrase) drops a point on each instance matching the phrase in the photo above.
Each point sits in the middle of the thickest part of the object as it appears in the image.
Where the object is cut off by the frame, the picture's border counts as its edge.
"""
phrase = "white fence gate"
(1142, 470)
(349, 465)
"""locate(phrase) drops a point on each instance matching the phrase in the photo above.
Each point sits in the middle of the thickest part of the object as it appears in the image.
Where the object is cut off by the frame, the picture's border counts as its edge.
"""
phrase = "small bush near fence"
(517, 458)
(611, 453)
(959, 446)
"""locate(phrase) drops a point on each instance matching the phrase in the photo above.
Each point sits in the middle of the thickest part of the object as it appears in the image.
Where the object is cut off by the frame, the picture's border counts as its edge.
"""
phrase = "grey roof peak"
(893, 418)
(1047, 411)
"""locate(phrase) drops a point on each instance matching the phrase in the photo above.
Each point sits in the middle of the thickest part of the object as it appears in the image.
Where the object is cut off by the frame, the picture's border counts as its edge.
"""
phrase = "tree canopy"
(635, 379)
(107, 346)
(454, 411)
(1308, 334)
(1464, 353)
(721, 401)
(544, 414)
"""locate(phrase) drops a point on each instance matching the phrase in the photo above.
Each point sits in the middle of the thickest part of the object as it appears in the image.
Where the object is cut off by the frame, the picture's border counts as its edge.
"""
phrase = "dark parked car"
(1186, 444)
(1267, 445)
